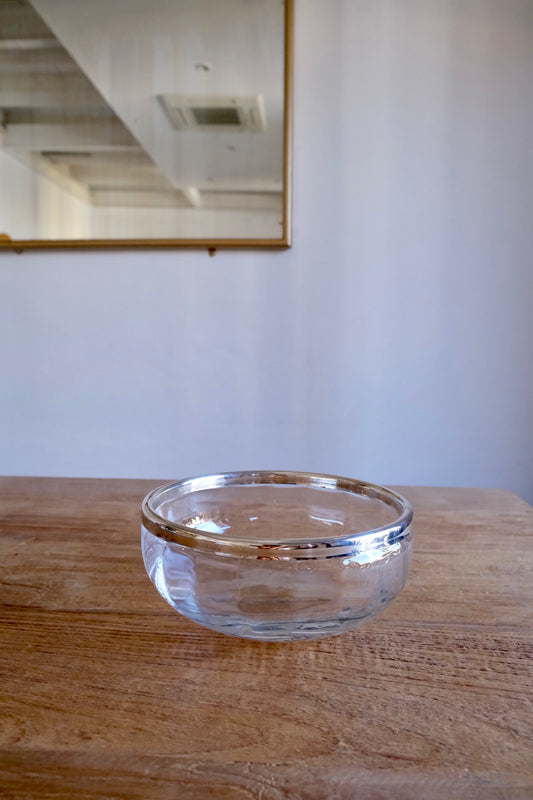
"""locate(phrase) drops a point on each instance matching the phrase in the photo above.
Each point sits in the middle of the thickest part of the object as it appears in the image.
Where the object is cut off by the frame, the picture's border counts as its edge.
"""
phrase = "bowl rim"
(381, 538)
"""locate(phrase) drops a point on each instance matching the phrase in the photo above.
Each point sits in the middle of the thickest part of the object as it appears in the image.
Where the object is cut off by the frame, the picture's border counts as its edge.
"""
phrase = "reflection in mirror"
(130, 120)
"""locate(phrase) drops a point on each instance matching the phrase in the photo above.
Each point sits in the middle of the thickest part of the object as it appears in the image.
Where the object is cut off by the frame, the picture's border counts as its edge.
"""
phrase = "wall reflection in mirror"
(143, 120)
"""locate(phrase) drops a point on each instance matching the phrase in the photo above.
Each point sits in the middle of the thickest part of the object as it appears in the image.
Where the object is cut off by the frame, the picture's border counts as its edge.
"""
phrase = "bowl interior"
(273, 512)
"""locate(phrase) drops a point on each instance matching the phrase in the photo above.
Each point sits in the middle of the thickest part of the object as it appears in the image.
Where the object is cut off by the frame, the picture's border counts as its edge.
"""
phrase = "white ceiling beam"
(120, 159)
(193, 196)
(48, 91)
(119, 176)
(21, 62)
(48, 43)
(55, 173)
(90, 136)
(138, 197)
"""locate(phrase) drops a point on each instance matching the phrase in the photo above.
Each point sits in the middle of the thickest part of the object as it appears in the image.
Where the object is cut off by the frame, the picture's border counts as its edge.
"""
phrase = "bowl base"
(281, 631)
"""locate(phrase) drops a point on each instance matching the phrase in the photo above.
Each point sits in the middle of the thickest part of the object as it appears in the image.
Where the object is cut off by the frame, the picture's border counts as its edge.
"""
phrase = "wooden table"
(106, 692)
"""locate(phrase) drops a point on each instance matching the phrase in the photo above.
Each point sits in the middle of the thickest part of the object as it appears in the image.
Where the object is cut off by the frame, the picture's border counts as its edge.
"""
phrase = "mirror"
(145, 122)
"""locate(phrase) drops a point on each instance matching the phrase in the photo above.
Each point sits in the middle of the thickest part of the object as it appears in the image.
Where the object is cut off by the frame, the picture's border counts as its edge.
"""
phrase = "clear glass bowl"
(276, 556)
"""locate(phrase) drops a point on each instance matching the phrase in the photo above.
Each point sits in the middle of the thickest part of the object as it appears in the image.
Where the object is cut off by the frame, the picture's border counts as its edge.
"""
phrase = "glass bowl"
(276, 556)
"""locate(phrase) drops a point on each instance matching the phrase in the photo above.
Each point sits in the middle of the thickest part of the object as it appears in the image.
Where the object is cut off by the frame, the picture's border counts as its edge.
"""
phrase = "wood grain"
(106, 692)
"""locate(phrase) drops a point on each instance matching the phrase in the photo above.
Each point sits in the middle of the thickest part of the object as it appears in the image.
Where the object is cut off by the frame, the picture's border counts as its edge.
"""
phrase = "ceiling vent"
(215, 113)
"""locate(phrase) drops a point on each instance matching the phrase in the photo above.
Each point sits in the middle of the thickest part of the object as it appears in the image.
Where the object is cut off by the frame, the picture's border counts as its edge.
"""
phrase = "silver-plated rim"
(360, 541)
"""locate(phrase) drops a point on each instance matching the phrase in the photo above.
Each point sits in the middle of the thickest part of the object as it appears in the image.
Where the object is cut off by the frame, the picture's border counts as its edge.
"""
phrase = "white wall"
(393, 342)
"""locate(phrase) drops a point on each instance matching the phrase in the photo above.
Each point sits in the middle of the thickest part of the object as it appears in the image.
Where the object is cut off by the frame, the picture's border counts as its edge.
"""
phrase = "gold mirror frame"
(6, 243)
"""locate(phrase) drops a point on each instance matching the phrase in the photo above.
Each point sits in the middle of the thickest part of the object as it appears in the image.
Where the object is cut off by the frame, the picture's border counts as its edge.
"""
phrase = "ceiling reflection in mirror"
(132, 120)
